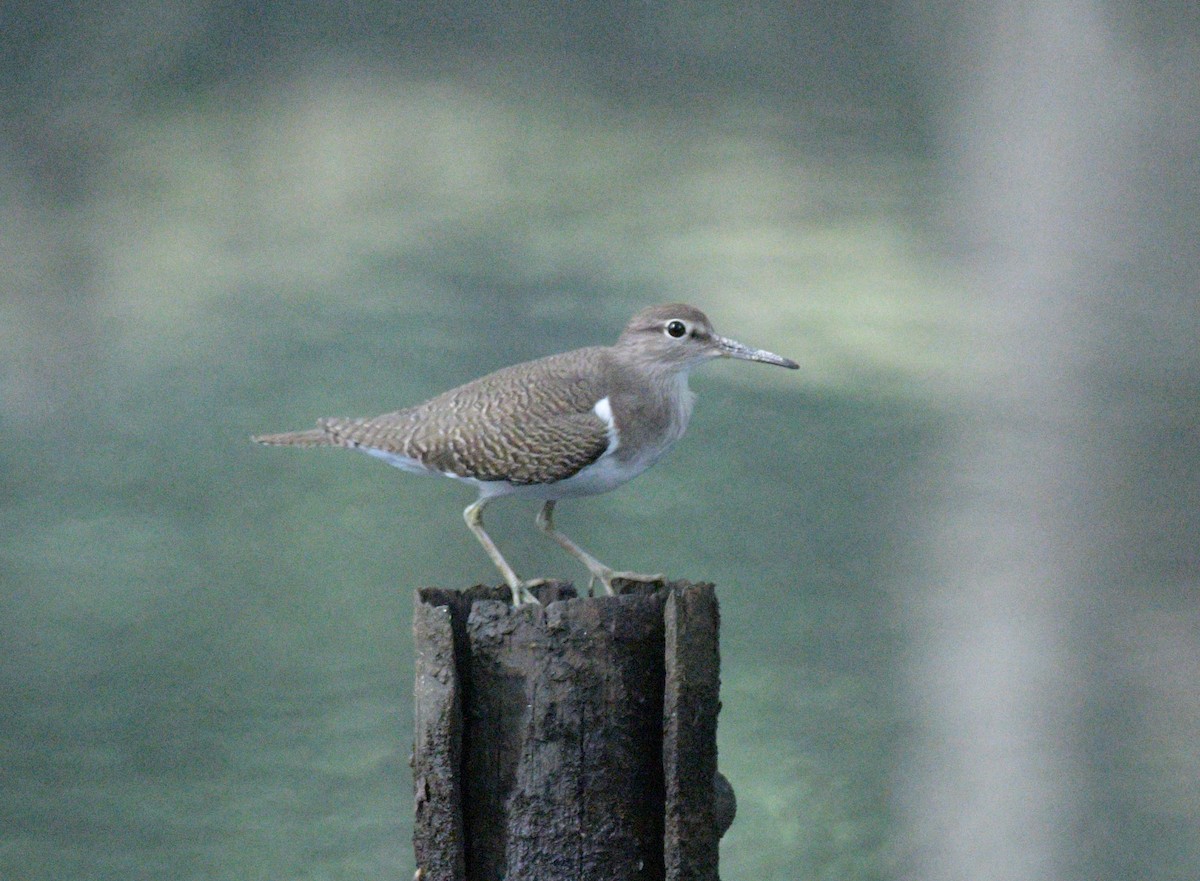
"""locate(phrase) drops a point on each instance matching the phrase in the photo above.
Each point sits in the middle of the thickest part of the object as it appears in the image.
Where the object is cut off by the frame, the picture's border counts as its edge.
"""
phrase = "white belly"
(602, 475)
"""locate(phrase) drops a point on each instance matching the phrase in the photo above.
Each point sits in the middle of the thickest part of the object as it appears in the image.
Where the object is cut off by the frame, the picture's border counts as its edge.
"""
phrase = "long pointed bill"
(734, 349)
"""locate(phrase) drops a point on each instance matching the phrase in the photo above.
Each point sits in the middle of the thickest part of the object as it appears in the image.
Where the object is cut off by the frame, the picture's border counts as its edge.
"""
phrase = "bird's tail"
(314, 437)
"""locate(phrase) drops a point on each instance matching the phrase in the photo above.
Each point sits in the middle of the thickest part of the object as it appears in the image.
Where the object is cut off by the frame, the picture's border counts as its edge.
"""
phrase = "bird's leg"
(545, 522)
(520, 590)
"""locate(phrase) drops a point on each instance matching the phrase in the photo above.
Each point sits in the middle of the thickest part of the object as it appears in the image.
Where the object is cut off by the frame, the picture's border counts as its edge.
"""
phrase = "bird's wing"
(529, 424)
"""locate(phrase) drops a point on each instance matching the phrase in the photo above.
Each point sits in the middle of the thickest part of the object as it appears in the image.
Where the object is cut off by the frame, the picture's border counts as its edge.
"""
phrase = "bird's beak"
(733, 349)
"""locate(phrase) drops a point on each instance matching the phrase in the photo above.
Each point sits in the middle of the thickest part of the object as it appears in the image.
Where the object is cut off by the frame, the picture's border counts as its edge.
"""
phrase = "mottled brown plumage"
(577, 423)
(529, 424)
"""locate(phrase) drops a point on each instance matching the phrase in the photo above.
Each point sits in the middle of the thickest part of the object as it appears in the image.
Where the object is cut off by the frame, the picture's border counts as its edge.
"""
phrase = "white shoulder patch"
(603, 409)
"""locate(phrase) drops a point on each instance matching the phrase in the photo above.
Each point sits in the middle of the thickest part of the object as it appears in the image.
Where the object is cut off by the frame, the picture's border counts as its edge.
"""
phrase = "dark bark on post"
(690, 732)
(575, 741)
(437, 748)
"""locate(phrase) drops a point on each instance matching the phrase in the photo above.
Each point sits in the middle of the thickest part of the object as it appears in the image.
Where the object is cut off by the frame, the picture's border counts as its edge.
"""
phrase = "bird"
(574, 424)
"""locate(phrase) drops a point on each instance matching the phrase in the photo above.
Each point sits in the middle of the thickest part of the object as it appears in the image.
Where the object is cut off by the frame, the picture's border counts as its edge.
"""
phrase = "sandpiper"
(574, 424)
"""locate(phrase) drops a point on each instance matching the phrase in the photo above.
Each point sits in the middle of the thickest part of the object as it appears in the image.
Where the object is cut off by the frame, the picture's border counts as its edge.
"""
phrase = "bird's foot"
(523, 596)
(608, 575)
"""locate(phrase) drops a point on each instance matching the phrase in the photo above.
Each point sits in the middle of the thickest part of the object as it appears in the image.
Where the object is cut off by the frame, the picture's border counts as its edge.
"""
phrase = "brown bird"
(575, 424)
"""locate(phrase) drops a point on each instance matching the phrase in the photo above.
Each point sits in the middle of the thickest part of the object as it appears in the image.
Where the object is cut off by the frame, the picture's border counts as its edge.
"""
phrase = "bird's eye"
(676, 329)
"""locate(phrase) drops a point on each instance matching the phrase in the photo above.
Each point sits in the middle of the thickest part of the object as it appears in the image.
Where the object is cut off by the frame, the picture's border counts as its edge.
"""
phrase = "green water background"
(227, 220)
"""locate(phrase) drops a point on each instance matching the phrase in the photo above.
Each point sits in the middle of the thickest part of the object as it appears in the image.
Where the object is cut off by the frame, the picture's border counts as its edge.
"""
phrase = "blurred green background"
(956, 553)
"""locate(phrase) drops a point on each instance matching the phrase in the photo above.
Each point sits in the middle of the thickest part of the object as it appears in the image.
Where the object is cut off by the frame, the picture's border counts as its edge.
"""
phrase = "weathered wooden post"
(572, 741)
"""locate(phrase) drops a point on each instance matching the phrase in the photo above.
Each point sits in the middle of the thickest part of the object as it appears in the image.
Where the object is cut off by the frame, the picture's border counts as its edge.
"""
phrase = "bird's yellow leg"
(520, 589)
(600, 572)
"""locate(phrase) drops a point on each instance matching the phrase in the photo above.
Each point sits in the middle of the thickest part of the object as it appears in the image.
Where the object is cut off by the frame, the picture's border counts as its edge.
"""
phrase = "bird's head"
(678, 337)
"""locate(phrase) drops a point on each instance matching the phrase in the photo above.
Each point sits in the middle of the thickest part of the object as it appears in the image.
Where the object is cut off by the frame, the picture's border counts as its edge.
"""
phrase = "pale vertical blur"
(1057, 648)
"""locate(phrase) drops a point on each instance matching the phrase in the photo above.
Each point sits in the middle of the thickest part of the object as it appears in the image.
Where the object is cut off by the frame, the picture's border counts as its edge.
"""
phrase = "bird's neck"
(679, 398)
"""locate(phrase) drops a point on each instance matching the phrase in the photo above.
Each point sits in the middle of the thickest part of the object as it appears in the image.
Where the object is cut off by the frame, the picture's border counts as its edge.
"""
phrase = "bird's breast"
(648, 424)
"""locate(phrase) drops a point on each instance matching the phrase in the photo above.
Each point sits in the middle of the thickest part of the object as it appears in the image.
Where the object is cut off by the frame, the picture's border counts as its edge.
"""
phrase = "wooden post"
(573, 741)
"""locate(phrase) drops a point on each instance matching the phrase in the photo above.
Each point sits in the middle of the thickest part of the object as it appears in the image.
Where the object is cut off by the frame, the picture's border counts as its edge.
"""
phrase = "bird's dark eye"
(676, 328)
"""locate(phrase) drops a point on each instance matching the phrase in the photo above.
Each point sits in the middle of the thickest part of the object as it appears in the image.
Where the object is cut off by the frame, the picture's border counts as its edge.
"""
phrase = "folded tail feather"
(314, 437)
